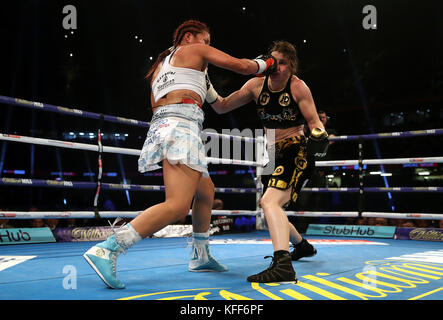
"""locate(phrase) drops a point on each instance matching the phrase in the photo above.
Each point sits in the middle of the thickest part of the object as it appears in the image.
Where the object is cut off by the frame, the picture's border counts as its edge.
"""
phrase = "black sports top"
(278, 110)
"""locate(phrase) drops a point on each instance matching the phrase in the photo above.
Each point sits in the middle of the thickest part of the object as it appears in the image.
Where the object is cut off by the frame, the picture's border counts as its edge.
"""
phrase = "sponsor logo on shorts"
(278, 171)
(301, 163)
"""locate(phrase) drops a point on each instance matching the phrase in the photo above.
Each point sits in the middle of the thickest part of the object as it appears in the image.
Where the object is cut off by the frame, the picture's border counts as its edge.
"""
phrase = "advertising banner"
(351, 231)
(82, 234)
(424, 234)
(26, 235)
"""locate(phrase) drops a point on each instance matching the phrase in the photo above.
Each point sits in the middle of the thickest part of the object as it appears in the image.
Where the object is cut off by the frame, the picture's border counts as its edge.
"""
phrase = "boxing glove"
(318, 143)
(266, 63)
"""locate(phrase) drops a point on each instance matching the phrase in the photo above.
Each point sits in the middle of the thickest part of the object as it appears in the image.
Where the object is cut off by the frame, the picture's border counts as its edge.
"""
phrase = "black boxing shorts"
(292, 167)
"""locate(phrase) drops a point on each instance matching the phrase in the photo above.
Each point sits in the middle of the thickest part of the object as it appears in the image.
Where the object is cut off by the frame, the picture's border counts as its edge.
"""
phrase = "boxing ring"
(345, 268)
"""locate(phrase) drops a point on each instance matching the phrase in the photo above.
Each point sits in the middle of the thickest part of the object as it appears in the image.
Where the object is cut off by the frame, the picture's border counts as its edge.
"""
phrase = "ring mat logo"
(10, 261)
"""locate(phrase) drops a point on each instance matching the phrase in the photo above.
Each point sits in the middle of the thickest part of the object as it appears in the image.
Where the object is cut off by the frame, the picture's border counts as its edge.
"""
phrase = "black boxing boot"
(303, 249)
(280, 270)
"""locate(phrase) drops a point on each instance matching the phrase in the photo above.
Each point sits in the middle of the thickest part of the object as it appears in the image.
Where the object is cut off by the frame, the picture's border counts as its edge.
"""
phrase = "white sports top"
(172, 78)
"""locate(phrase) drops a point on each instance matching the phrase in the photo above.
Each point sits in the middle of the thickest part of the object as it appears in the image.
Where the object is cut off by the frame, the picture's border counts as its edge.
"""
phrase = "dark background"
(368, 81)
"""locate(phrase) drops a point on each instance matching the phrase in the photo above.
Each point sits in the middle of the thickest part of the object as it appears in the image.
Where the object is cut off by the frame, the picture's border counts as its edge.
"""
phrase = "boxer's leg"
(281, 267)
(201, 258)
(103, 256)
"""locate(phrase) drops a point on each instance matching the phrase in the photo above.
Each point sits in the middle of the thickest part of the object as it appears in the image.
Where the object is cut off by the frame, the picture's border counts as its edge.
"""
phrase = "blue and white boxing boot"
(103, 256)
(201, 258)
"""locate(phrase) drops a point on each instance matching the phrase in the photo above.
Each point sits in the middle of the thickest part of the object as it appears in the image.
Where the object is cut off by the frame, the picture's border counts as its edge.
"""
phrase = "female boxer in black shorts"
(283, 102)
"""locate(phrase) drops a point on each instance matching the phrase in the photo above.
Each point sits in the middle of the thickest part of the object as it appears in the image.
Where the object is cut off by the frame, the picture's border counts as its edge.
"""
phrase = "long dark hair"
(193, 26)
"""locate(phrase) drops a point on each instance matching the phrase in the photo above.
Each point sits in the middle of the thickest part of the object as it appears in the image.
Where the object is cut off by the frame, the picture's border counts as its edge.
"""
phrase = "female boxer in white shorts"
(173, 143)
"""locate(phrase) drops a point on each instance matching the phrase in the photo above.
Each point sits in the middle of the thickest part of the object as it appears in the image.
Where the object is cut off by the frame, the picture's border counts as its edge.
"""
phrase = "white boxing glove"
(211, 94)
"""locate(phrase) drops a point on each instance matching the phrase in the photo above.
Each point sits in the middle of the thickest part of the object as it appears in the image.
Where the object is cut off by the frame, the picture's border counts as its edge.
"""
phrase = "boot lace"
(122, 248)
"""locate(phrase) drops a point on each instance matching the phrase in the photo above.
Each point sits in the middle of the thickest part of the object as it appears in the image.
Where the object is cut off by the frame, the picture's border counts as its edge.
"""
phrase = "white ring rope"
(334, 163)
(135, 152)
(107, 149)
(133, 214)
(391, 215)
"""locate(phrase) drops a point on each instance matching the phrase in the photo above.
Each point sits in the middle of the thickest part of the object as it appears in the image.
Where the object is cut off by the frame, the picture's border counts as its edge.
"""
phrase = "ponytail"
(193, 26)
(160, 58)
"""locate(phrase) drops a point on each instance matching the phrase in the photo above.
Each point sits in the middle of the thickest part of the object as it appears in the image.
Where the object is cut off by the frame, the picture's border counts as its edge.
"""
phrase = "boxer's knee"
(177, 209)
(205, 190)
(274, 198)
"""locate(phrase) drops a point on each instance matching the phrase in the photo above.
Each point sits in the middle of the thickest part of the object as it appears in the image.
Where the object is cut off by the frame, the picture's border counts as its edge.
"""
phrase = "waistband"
(187, 111)
(283, 144)
(185, 101)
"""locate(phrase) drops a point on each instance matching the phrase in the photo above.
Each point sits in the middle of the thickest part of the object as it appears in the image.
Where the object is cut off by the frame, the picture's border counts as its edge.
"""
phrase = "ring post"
(100, 167)
(360, 177)
(259, 224)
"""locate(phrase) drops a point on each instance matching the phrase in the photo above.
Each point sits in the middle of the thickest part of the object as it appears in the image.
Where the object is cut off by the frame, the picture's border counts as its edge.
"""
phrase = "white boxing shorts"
(175, 135)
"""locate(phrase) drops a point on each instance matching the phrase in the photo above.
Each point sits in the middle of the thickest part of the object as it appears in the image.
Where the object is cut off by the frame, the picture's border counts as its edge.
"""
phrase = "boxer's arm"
(261, 64)
(305, 101)
(318, 138)
(236, 99)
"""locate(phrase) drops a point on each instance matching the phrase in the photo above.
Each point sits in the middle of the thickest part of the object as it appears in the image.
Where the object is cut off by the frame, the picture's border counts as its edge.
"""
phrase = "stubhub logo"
(351, 231)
